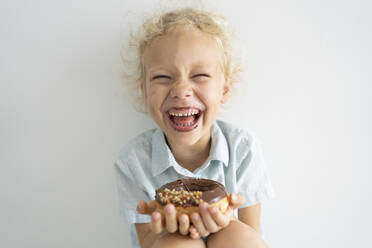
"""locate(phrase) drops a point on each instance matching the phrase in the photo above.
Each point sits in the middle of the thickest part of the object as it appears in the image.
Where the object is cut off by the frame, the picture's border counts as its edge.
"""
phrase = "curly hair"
(160, 24)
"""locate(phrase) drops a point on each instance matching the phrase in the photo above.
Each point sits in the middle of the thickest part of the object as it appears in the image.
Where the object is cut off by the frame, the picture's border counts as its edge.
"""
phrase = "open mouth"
(184, 120)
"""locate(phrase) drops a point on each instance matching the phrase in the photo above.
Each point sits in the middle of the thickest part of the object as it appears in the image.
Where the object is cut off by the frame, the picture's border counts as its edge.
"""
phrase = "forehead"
(185, 47)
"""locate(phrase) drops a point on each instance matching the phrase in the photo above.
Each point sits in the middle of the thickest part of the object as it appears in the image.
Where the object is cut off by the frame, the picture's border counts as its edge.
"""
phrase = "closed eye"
(160, 76)
(201, 75)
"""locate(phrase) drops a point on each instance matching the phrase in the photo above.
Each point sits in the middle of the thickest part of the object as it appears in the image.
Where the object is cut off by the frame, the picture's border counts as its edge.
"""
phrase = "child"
(185, 74)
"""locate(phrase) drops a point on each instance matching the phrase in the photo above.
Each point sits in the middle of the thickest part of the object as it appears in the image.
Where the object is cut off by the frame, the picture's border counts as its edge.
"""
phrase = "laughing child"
(185, 74)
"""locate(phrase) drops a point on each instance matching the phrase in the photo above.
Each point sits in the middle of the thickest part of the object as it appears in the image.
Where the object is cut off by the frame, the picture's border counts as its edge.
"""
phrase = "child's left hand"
(210, 219)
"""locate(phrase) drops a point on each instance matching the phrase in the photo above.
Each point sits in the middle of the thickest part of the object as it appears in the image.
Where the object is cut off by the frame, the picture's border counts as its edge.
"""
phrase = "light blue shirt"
(146, 163)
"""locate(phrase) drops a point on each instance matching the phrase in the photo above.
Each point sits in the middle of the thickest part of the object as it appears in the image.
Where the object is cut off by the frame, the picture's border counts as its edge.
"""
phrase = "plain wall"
(64, 118)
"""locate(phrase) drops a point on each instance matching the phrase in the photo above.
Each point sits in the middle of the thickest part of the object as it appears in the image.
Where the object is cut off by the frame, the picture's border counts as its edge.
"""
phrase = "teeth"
(185, 125)
(194, 112)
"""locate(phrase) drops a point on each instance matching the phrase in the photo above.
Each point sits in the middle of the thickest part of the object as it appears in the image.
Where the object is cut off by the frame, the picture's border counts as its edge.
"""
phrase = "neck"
(192, 156)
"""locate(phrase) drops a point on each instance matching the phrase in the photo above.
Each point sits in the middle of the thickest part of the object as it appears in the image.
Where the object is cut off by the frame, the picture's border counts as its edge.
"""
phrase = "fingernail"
(203, 205)
(213, 210)
(169, 209)
(195, 217)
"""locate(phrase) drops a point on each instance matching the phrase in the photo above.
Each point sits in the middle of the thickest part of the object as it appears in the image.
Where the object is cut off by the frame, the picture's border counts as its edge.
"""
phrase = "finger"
(208, 220)
(184, 224)
(236, 200)
(197, 221)
(229, 213)
(194, 234)
(192, 229)
(151, 206)
(170, 218)
(156, 224)
(221, 220)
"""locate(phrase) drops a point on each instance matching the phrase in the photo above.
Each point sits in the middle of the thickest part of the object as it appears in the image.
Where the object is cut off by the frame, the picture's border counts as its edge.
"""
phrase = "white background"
(64, 118)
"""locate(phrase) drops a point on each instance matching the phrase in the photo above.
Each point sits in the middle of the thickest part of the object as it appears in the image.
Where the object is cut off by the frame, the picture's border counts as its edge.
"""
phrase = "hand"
(211, 220)
(169, 222)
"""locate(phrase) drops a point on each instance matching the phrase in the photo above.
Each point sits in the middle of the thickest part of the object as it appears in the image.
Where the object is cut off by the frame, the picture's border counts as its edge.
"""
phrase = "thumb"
(147, 208)
(236, 200)
(151, 206)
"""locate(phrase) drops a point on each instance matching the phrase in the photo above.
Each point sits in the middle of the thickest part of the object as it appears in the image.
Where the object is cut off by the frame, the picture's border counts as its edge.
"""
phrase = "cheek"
(212, 94)
(212, 97)
(155, 97)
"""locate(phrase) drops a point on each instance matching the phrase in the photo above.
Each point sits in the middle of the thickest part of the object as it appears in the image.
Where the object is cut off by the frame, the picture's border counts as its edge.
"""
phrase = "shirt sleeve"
(253, 181)
(130, 194)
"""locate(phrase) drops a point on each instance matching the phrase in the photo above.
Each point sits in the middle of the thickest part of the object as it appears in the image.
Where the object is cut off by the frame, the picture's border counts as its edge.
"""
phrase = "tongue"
(183, 120)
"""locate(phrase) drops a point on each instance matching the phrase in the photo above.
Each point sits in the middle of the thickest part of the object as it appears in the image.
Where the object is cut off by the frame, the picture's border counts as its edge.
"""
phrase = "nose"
(181, 89)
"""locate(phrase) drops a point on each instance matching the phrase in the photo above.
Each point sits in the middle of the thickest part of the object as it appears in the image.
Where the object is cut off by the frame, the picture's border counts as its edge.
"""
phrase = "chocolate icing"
(212, 191)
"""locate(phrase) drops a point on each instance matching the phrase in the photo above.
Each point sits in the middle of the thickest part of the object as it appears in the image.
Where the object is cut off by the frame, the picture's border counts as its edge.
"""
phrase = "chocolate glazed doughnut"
(186, 194)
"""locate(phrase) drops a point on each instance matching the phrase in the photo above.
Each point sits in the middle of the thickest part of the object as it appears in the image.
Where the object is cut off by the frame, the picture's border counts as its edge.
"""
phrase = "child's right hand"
(169, 222)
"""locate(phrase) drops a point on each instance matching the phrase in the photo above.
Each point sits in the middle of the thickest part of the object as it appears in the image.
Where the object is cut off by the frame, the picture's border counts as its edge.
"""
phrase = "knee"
(172, 240)
(236, 235)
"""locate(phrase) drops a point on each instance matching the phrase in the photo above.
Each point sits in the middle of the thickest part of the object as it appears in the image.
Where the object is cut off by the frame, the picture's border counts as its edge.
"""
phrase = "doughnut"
(186, 194)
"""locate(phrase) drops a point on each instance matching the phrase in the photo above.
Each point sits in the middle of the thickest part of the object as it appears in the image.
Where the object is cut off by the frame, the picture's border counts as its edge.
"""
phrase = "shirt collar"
(162, 157)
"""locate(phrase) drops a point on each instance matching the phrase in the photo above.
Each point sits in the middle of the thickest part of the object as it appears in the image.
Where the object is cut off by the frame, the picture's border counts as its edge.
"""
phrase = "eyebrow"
(152, 69)
(198, 65)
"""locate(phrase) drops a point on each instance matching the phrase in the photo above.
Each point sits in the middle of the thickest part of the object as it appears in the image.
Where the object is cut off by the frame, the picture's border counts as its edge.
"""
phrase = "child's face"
(184, 77)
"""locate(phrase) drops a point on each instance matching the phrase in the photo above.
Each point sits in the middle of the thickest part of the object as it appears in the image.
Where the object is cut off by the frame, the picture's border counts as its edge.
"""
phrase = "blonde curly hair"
(160, 24)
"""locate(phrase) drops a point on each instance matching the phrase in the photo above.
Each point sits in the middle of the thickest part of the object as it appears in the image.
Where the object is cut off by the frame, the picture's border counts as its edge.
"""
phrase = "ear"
(226, 91)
